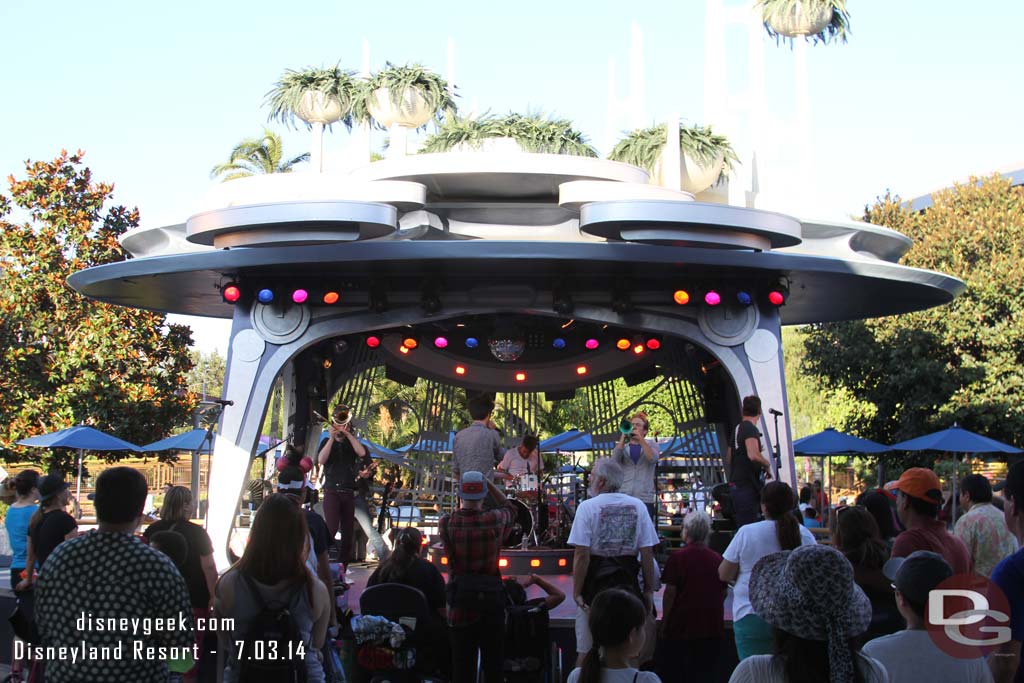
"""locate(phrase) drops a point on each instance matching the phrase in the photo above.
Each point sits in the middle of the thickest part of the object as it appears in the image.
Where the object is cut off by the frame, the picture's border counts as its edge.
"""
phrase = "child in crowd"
(617, 625)
(811, 518)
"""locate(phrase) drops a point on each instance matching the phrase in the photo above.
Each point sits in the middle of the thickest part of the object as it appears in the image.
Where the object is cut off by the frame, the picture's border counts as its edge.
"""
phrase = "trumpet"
(626, 427)
(344, 423)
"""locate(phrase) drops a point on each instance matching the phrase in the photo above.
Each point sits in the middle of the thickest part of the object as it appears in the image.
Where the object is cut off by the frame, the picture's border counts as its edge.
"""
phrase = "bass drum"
(522, 525)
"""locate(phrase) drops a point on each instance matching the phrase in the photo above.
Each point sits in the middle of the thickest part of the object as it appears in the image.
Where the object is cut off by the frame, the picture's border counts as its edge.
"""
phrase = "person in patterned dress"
(110, 608)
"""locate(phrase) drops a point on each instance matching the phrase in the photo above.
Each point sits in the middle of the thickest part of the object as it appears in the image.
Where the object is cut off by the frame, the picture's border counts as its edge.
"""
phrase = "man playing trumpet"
(638, 458)
(344, 459)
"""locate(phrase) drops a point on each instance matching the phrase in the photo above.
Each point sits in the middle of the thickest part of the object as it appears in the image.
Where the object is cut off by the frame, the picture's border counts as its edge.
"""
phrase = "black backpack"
(527, 639)
(272, 649)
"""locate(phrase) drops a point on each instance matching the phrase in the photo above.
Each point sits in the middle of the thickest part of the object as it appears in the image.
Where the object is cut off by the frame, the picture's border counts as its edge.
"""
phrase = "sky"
(924, 93)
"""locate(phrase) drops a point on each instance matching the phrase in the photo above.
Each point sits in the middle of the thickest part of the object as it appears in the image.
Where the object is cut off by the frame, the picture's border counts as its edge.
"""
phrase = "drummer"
(523, 459)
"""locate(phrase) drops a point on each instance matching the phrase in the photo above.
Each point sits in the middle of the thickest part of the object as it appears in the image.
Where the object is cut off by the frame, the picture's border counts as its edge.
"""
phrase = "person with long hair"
(880, 505)
(638, 457)
(273, 571)
(779, 531)
(856, 536)
(198, 569)
(49, 526)
(21, 510)
(617, 619)
(406, 566)
(808, 595)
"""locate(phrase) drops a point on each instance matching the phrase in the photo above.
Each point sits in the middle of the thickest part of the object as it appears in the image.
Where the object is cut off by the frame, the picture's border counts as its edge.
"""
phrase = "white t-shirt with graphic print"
(613, 525)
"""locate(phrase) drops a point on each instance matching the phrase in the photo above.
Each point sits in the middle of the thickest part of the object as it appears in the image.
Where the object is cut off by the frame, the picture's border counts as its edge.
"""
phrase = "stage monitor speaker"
(641, 376)
(396, 375)
(563, 395)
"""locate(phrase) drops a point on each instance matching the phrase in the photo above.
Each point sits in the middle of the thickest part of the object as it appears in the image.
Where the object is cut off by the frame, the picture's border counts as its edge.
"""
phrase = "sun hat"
(810, 593)
(472, 486)
(49, 486)
(919, 482)
(917, 574)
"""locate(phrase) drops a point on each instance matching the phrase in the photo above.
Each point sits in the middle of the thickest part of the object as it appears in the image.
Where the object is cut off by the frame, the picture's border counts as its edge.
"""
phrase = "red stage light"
(535, 562)
(373, 342)
(440, 342)
(681, 297)
(581, 370)
(776, 298)
(502, 562)
(592, 344)
(410, 343)
(654, 344)
(460, 370)
(520, 376)
(403, 350)
(622, 344)
(444, 559)
(331, 298)
(299, 296)
(712, 298)
(638, 349)
(231, 293)
(562, 562)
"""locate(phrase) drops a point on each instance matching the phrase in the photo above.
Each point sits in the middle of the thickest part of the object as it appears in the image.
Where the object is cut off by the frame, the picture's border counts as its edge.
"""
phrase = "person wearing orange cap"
(918, 500)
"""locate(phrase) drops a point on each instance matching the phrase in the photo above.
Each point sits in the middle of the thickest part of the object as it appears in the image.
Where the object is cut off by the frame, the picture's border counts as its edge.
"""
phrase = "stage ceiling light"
(231, 293)
(404, 350)
(558, 343)
(592, 344)
(410, 343)
(327, 363)
(331, 298)
(441, 342)
(654, 344)
(622, 344)
(340, 347)
(712, 298)
(507, 349)
(581, 370)
(744, 298)
(520, 376)
(472, 342)
(460, 370)
(265, 296)
(300, 295)
(681, 297)
(373, 342)
(638, 349)
(777, 297)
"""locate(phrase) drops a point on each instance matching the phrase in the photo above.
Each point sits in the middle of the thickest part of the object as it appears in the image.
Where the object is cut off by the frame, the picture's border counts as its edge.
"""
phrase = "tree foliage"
(257, 156)
(963, 362)
(64, 359)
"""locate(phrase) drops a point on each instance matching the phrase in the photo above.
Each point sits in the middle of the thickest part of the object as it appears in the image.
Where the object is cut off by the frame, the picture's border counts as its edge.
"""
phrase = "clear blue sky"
(924, 94)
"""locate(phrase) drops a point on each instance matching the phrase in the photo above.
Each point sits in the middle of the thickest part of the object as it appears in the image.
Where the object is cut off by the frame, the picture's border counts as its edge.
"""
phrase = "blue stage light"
(472, 342)
(559, 343)
(265, 296)
(744, 298)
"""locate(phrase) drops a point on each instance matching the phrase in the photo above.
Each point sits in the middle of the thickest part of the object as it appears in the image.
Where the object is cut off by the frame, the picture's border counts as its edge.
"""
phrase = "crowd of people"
(846, 603)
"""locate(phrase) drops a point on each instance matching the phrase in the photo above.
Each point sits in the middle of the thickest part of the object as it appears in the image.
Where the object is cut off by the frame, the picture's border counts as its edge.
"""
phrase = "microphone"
(777, 413)
(222, 402)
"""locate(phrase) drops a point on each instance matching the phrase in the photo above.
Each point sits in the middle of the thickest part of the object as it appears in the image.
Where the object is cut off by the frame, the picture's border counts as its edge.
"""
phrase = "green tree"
(257, 156)
(65, 359)
(963, 362)
(206, 378)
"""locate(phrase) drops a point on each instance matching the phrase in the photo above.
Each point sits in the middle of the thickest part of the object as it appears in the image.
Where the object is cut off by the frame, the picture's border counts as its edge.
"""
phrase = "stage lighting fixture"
(520, 376)
(340, 347)
(591, 344)
(300, 295)
(404, 350)
(410, 343)
(622, 344)
(653, 343)
(460, 370)
(777, 296)
(558, 343)
(265, 296)
(373, 342)
(712, 298)
(681, 297)
(441, 342)
(638, 349)
(561, 300)
(472, 342)
(744, 298)
(331, 298)
(327, 363)
(581, 370)
(231, 293)
(507, 348)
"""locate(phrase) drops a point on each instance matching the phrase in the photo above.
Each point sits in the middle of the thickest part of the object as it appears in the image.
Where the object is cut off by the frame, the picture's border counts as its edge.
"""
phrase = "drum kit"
(544, 513)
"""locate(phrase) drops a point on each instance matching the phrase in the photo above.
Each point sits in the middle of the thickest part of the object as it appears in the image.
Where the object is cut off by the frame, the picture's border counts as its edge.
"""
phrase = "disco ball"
(507, 350)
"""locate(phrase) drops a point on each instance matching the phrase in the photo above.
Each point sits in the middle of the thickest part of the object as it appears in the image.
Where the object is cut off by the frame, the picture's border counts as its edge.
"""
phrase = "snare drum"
(527, 487)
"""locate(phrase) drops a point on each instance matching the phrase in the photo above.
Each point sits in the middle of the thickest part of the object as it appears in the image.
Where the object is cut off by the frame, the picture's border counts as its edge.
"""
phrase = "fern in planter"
(285, 99)
(533, 133)
(777, 13)
(397, 79)
(643, 147)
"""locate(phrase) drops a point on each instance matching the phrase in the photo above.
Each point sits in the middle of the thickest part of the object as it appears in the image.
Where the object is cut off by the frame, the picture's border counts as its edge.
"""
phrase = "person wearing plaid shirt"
(472, 540)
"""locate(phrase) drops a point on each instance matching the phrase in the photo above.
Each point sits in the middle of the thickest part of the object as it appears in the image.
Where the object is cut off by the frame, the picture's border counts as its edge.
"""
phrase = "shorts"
(584, 641)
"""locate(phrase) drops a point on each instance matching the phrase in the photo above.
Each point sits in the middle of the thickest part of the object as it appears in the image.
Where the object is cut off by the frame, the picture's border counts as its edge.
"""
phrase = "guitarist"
(747, 465)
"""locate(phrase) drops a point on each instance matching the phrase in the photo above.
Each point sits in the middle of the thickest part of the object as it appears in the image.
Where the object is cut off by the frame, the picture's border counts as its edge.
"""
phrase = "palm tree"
(257, 156)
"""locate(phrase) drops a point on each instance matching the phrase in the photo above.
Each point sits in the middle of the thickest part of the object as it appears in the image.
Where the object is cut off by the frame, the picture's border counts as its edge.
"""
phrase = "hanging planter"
(323, 96)
(406, 96)
(705, 158)
(511, 133)
(817, 20)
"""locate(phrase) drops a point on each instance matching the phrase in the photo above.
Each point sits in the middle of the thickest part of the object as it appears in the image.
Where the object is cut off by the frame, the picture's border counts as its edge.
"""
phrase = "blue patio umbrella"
(82, 438)
(955, 440)
(831, 442)
(195, 440)
(574, 440)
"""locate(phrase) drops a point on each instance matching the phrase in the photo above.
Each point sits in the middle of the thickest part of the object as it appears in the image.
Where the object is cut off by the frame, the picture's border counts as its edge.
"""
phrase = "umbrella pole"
(78, 482)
